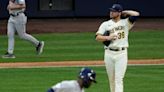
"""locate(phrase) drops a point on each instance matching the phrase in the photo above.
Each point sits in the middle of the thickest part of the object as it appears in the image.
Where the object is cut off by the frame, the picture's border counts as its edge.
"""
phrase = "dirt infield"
(75, 63)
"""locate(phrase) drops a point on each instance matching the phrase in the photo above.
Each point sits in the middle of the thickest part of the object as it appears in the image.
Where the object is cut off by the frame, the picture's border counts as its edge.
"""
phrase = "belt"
(118, 49)
(14, 15)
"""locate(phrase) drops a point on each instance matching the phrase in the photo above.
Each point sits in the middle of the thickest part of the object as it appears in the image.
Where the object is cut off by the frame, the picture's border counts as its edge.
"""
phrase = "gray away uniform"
(17, 23)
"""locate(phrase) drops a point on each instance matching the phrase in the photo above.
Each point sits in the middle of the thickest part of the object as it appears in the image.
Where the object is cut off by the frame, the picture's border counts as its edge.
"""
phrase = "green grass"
(137, 79)
(146, 44)
(82, 46)
(145, 79)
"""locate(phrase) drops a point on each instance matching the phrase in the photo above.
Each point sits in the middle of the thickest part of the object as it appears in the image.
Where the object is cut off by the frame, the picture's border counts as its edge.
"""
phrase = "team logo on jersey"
(118, 28)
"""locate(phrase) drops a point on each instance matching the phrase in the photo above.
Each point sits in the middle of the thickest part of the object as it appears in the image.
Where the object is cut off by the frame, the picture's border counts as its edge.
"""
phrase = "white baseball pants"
(116, 64)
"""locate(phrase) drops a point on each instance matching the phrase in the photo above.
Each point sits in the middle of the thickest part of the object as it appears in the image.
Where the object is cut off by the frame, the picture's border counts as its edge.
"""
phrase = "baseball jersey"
(121, 28)
(15, 11)
(67, 86)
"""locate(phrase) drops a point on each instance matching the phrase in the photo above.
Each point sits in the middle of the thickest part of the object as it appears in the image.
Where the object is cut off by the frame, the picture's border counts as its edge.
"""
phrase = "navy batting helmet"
(87, 74)
(116, 8)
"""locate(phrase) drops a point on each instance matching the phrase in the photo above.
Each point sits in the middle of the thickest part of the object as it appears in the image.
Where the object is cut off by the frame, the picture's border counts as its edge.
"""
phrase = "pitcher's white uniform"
(116, 61)
(116, 57)
(67, 86)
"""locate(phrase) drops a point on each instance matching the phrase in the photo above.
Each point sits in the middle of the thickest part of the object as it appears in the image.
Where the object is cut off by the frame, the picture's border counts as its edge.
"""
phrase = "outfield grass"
(146, 44)
(82, 46)
(137, 79)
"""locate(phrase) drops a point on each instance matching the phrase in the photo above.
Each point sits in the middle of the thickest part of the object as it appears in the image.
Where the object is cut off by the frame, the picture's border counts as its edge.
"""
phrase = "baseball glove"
(106, 43)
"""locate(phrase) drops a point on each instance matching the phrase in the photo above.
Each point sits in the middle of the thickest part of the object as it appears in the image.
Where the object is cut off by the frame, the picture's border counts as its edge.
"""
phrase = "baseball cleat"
(8, 55)
(39, 48)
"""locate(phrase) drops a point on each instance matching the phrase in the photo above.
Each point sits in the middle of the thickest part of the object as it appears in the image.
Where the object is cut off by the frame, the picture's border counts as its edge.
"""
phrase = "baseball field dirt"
(76, 63)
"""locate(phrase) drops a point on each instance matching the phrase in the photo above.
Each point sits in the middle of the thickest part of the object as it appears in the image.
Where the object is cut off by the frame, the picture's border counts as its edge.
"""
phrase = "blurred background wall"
(84, 8)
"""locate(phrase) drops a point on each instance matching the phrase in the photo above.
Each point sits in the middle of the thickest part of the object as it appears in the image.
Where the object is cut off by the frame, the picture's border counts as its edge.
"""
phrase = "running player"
(17, 23)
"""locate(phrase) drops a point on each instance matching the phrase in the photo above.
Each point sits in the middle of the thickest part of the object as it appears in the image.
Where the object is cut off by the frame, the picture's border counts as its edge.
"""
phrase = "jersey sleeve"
(128, 23)
(60, 87)
(57, 87)
(101, 29)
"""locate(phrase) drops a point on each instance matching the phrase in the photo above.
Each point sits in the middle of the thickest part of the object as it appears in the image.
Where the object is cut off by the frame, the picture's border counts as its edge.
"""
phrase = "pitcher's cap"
(116, 8)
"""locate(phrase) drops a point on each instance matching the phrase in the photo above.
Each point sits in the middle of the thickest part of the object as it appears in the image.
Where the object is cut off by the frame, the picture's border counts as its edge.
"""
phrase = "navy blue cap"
(87, 73)
(116, 8)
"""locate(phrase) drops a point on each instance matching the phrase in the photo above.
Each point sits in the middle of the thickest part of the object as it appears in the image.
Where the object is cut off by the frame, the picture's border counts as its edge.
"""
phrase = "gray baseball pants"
(18, 24)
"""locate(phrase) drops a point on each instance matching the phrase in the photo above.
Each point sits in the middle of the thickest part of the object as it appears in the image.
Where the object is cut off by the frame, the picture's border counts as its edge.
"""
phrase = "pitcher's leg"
(120, 69)
(110, 68)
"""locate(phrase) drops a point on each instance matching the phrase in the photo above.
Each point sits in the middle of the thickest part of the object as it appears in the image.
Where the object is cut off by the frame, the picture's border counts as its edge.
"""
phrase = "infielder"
(17, 23)
(115, 57)
(85, 79)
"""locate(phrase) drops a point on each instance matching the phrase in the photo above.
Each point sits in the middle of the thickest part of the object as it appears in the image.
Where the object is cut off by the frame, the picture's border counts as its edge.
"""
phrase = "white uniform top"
(15, 11)
(67, 86)
(121, 28)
